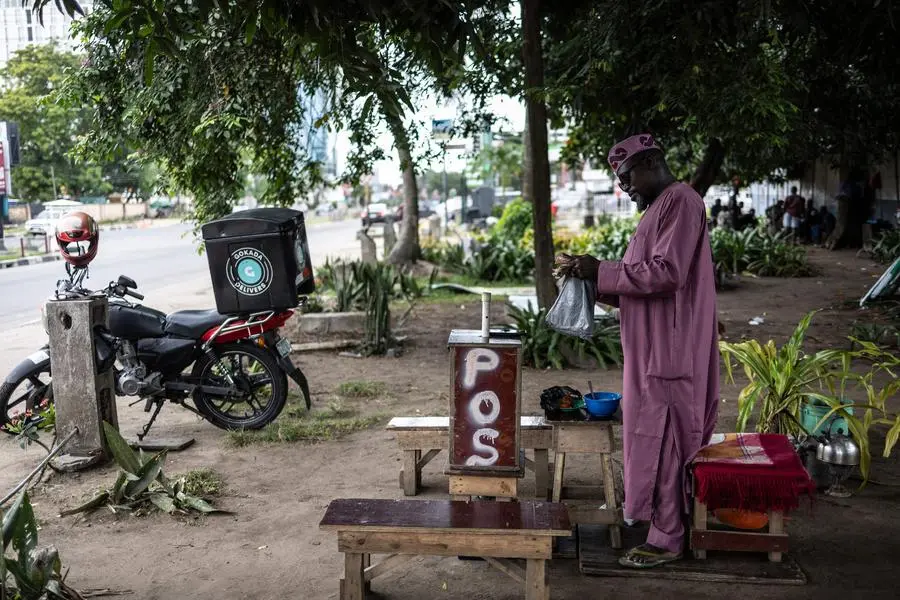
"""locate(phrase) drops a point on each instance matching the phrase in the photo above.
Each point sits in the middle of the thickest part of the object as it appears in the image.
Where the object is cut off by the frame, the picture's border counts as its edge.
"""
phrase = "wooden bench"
(403, 529)
(422, 438)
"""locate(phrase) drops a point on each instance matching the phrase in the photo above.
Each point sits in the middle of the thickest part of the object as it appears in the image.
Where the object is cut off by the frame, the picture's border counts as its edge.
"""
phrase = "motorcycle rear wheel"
(255, 373)
(25, 394)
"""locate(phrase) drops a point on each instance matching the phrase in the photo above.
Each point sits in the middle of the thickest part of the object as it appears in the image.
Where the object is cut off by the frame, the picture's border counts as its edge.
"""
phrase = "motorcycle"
(238, 364)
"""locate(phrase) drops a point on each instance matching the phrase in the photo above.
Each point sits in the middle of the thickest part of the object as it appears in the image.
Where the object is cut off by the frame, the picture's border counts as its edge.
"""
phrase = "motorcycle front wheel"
(27, 393)
(259, 383)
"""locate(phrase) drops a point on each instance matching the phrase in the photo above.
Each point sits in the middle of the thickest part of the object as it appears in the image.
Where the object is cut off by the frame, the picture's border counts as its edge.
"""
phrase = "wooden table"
(422, 438)
(403, 529)
(583, 502)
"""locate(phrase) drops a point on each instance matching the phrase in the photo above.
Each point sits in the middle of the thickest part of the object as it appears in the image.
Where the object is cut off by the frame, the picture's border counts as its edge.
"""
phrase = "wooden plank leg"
(418, 470)
(609, 492)
(386, 564)
(410, 477)
(560, 466)
(354, 581)
(699, 525)
(541, 473)
(507, 566)
(536, 580)
(776, 525)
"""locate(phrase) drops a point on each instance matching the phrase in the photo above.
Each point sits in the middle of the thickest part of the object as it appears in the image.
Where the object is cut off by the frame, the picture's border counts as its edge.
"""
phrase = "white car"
(45, 222)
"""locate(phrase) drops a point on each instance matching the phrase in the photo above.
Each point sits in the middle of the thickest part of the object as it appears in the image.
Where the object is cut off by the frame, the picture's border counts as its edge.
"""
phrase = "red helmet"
(77, 236)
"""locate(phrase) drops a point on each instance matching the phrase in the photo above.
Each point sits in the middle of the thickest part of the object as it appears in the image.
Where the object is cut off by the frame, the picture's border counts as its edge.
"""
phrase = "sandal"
(647, 556)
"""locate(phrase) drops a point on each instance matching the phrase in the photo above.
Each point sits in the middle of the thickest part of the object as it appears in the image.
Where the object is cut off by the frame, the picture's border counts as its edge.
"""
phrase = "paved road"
(157, 259)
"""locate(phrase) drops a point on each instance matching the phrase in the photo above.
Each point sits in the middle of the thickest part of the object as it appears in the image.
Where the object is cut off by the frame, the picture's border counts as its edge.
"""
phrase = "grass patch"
(332, 423)
(470, 281)
(361, 389)
(203, 483)
(16, 254)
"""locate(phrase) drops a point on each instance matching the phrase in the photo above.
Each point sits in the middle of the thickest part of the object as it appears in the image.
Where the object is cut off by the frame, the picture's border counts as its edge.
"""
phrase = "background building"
(18, 27)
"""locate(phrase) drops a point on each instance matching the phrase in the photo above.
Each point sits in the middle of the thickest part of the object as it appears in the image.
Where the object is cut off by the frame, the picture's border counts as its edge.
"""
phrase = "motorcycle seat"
(192, 323)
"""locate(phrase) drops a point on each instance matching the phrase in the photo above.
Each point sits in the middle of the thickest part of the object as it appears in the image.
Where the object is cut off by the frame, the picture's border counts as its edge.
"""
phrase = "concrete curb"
(29, 260)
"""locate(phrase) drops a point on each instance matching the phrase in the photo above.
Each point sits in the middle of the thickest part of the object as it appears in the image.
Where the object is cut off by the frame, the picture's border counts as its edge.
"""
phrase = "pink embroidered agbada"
(665, 289)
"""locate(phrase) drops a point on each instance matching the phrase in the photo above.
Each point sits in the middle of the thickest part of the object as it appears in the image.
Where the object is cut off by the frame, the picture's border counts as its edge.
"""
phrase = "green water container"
(811, 414)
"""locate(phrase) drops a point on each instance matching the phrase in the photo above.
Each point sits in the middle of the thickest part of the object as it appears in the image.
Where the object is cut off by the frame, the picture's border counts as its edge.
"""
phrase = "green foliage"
(448, 255)
(605, 241)
(505, 161)
(500, 259)
(611, 77)
(783, 379)
(31, 573)
(883, 365)
(329, 424)
(887, 246)
(757, 252)
(141, 484)
(361, 389)
(372, 288)
(203, 482)
(515, 221)
(206, 89)
(883, 335)
(544, 347)
(48, 130)
(347, 279)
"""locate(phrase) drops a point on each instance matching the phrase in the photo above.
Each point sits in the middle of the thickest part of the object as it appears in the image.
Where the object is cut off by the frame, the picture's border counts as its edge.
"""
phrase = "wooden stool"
(496, 531)
(775, 542)
(588, 437)
(723, 477)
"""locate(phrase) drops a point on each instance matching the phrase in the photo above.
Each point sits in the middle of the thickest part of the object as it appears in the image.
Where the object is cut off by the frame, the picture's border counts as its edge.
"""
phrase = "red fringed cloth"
(758, 472)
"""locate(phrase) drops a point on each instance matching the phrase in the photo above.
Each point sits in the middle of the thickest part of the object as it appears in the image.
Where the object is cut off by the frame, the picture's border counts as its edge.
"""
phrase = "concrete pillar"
(84, 398)
(367, 247)
(390, 237)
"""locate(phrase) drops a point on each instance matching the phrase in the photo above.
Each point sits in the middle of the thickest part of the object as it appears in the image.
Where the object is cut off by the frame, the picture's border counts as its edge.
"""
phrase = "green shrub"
(544, 347)
(515, 220)
(605, 241)
(500, 260)
(887, 246)
(758, 252)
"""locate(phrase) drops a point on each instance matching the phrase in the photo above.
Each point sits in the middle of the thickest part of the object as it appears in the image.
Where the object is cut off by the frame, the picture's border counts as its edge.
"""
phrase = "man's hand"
(582, 266)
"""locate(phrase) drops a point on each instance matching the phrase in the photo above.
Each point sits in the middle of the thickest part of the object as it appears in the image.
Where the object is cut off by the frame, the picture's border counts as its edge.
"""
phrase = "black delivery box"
(258, 260)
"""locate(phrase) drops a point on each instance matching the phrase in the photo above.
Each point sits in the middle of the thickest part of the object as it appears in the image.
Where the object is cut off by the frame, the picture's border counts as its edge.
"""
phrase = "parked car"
(375, 213)
(45, 222)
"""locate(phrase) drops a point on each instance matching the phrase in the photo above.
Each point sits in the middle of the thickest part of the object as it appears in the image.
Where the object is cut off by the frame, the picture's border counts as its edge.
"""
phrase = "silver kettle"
(838, 449)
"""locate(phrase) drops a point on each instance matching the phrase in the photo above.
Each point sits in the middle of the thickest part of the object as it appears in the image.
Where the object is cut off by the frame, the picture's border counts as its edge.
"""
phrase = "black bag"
(563, 403)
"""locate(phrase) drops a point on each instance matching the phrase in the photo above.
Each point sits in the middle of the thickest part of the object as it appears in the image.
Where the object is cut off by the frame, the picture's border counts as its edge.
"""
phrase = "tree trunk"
(407, 249)
(706, 173)
(527, 184)
(537, 151)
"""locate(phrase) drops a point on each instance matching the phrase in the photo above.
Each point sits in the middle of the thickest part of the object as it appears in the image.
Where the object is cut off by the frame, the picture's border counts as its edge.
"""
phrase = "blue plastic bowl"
(602, 404)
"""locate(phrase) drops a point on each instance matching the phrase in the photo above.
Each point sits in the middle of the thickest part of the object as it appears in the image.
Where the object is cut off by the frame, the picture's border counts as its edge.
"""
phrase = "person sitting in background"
(775, 214)
(715, 210)
(748, 221)
(814, 221)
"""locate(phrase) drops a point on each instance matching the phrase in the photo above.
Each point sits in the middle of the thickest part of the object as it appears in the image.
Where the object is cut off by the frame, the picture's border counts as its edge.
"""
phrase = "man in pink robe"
(665, 289)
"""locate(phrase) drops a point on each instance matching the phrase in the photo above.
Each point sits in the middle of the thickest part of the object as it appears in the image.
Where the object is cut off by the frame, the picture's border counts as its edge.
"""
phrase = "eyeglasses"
(625, 176)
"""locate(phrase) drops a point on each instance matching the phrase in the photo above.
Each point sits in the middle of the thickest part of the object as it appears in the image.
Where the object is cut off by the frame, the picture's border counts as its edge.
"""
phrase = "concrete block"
(83, 396)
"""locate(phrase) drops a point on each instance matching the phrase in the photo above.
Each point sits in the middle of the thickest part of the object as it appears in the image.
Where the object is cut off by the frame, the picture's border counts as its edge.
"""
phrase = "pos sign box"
(485, 404)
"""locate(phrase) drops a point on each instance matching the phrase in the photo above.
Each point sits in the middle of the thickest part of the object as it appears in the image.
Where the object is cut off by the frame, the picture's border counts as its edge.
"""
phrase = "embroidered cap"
(629, 147)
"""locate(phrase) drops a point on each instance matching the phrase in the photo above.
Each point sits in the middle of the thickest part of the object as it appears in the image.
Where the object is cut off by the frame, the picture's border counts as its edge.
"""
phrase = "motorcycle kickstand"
(159, 405)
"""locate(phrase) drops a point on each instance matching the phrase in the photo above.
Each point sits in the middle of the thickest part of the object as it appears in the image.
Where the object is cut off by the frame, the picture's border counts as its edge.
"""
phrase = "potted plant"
(782, 380)
(786, 382)
(882, 365)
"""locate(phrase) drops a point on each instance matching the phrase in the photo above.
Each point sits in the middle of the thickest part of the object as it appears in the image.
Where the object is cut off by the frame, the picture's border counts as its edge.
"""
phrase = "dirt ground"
(270, 546)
